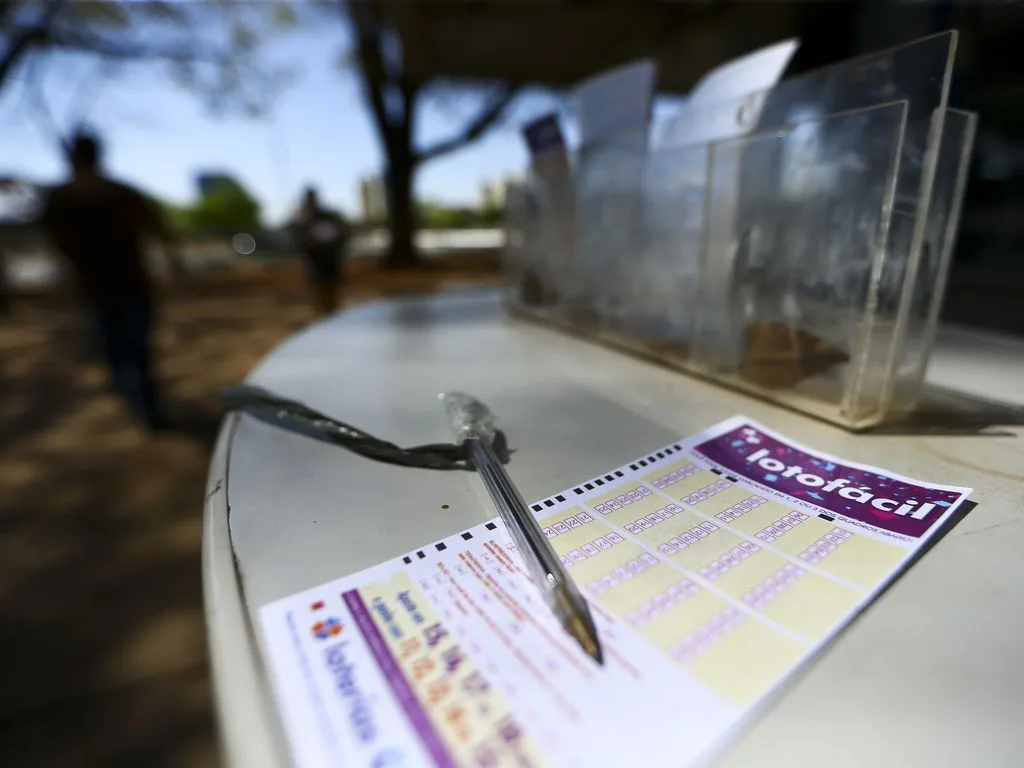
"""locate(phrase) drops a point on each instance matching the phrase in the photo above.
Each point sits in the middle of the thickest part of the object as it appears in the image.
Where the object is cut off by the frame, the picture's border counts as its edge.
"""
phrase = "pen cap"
(471, 419)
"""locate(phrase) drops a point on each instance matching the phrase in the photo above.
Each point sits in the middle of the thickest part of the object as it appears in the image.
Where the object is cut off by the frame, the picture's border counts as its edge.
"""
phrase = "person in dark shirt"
(322, 237)
(101, 227)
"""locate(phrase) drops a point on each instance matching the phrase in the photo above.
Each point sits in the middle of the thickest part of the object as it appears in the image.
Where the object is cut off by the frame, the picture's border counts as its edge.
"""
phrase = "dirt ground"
(101, 618)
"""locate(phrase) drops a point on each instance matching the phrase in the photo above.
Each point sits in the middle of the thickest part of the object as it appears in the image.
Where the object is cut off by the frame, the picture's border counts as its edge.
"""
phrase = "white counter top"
(930, 675)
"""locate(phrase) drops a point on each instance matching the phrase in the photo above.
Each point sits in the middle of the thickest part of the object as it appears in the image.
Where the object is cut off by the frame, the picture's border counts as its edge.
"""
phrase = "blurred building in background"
(373, 198)
(494, 193)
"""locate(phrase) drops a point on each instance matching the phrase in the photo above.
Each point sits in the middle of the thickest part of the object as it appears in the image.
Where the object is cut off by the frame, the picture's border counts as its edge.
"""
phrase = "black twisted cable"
(293, 415)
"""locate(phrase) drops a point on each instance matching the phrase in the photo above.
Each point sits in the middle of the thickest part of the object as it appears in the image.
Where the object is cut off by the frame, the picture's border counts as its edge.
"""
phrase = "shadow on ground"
(101, 619)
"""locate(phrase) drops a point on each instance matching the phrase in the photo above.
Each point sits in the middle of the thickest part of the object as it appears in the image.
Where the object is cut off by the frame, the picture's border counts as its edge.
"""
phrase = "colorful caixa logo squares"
(327, 628)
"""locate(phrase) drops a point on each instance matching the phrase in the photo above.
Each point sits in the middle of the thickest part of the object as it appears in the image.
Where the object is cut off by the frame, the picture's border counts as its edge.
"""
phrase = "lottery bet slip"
(715, 567)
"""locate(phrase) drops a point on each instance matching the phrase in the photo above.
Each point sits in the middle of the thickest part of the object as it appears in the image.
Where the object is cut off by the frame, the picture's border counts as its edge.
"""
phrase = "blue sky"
(159, 136)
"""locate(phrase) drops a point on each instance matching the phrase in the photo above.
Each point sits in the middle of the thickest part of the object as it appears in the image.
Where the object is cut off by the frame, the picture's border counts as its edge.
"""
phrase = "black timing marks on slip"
(559, 498)
(441, 546)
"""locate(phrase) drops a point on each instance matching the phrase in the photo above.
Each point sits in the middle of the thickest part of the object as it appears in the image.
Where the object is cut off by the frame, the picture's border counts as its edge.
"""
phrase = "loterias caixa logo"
(325, 629)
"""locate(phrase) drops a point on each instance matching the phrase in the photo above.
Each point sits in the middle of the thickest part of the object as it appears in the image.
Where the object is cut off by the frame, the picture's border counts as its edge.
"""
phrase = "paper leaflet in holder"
(613, 112)
(568, 225)
(548, 189)
(792, 243)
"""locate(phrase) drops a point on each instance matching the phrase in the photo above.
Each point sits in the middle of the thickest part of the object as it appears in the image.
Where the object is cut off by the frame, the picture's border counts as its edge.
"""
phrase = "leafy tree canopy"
(225, 208)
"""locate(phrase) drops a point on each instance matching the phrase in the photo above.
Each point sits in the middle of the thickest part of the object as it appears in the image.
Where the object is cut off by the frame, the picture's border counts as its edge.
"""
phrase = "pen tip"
(585, 633)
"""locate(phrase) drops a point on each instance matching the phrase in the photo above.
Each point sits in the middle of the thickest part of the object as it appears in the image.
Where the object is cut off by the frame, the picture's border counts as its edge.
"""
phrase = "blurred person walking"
(101, 227)
(322, 237)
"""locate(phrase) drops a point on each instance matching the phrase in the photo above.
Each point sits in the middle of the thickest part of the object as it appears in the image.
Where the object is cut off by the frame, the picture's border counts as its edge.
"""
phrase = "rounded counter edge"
(248, 730)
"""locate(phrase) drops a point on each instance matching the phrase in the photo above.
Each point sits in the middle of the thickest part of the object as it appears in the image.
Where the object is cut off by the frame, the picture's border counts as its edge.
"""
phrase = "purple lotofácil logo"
(886, 502)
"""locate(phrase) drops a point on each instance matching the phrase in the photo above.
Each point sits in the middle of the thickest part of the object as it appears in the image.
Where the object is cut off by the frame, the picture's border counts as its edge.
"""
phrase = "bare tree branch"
(491, 113)
(37, 101)
(88, 92)
(76, 113)
(76, 41)
(23, 40)
(212, 49)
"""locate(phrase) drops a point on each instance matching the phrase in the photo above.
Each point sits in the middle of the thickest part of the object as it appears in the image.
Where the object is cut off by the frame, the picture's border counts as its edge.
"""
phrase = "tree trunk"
(402, 252)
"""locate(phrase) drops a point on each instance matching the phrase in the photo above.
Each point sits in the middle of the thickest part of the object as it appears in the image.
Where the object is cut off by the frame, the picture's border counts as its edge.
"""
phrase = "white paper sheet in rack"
(753, 72)
(715, 567)
(615, 106)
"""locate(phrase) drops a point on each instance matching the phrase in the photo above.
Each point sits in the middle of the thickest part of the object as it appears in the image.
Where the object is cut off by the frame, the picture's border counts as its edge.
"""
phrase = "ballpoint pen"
(475, 424)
